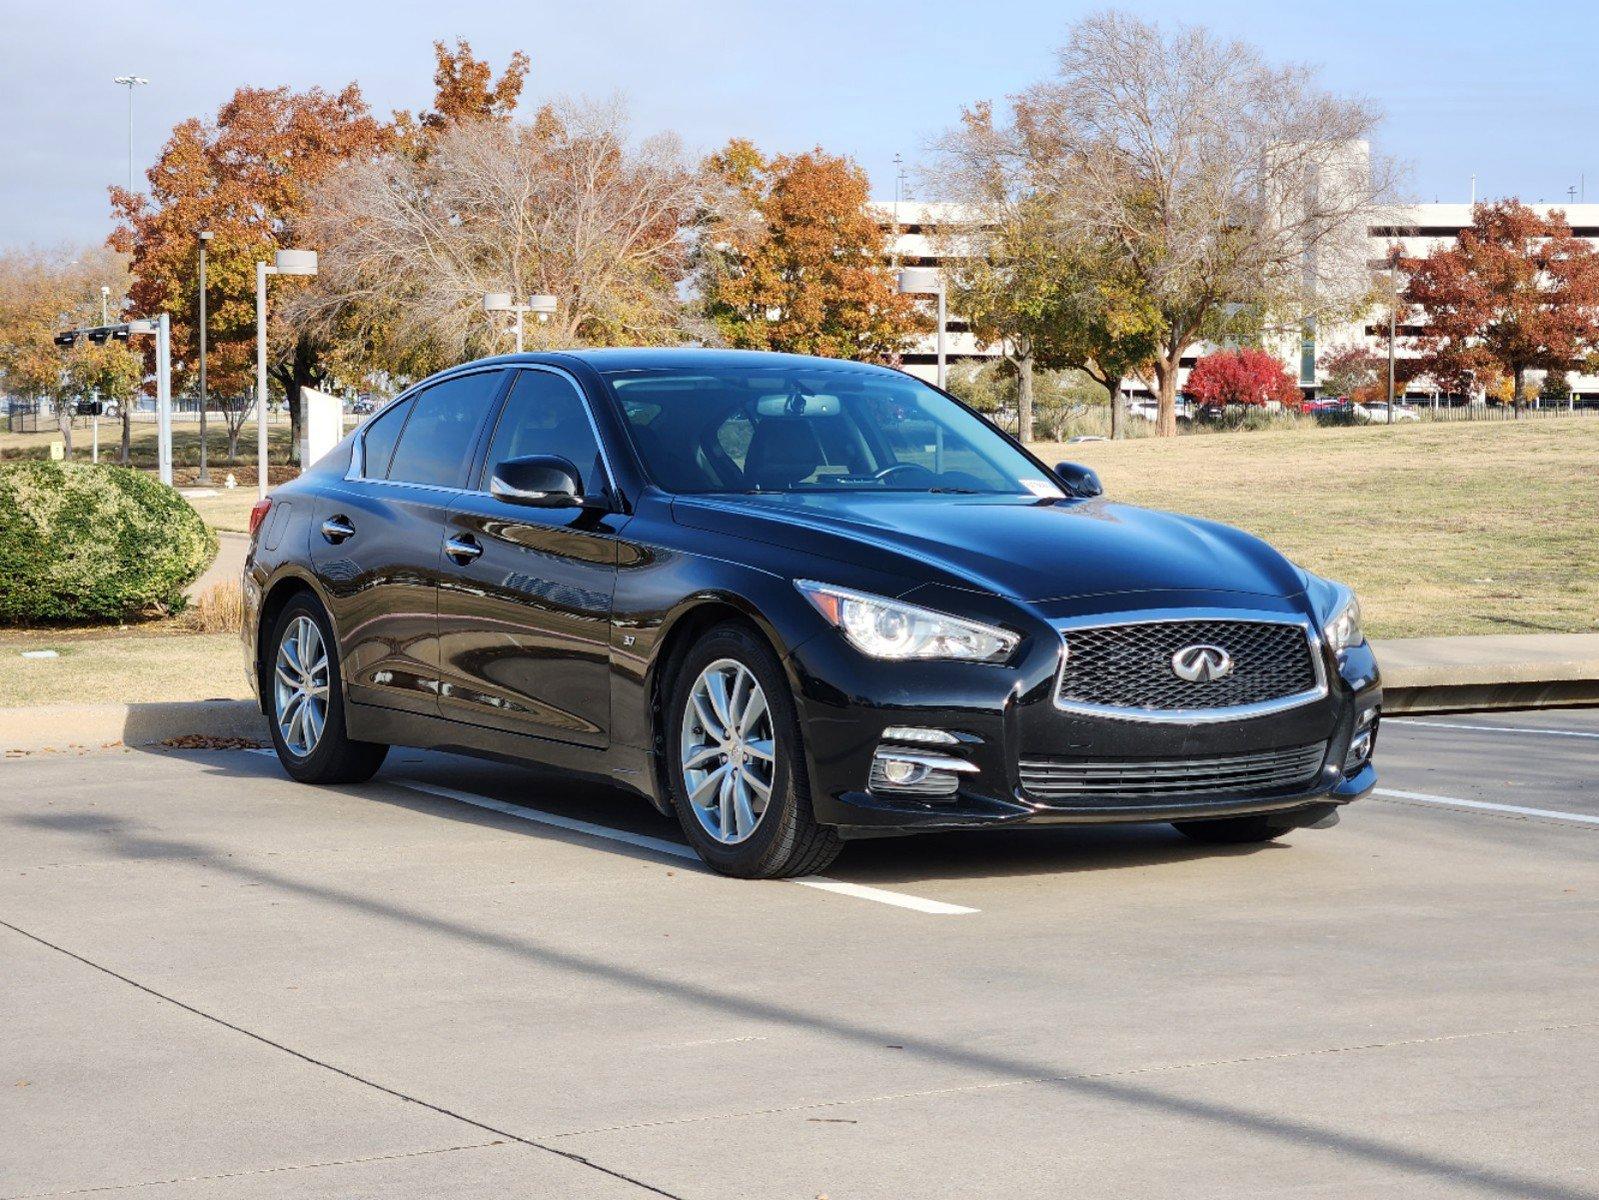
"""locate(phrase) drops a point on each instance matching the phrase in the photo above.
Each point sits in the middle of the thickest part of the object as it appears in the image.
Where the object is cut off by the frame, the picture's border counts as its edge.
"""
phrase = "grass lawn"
(229, 509)
(185, 444)
(1441, 528)
(137, 665)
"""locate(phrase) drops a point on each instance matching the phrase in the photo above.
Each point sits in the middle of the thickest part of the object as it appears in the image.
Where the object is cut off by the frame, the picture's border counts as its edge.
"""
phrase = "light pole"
(899, 179)
(130, 82)
(94, 417)
(161, 326)
(928, 281)
(204, 236)
(541, 306)
(1393, 320)
(285, 262)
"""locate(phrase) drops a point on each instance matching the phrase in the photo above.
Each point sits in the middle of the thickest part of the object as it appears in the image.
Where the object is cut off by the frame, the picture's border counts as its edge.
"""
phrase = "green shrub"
(82, 543)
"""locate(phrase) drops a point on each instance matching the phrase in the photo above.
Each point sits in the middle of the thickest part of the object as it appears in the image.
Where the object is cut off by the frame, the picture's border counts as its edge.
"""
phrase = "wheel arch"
(678, 634)
(275, 598)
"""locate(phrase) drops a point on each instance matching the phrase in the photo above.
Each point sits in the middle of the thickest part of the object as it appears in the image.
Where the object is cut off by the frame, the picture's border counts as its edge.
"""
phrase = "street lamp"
(204, 236)
(285, 262)
(541, 306)
(928, 281)
(130, 82)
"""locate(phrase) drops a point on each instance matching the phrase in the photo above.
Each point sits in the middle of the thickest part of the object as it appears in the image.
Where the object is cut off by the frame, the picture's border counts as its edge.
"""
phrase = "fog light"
(1359, 751)
(917, 774)
(897, 770)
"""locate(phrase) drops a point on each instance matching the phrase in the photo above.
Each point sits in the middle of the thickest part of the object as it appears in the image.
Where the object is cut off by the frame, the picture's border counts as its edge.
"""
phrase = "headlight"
(1344, 630)
(885, 628)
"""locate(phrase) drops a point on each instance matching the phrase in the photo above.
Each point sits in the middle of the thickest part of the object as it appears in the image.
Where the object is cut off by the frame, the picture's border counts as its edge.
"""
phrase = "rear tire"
(330, 756)
(785, 840)
(1230, 831)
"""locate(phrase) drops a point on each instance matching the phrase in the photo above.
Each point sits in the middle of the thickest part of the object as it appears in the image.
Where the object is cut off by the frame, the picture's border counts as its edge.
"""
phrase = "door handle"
(463, 548)
(336, 529)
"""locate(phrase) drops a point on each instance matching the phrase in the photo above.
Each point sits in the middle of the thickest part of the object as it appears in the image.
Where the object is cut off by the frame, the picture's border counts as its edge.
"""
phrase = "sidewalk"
(1524, 670)
(226, 567)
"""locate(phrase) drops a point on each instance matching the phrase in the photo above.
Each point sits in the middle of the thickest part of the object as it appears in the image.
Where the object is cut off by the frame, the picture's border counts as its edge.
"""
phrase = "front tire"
(735, 762)
(305, 701)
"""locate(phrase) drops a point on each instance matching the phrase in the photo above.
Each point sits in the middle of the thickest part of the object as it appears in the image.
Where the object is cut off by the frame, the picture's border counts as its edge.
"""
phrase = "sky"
(1506, 91)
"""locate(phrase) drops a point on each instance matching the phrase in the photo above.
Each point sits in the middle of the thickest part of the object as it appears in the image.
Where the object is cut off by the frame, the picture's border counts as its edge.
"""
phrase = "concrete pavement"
(221, 983)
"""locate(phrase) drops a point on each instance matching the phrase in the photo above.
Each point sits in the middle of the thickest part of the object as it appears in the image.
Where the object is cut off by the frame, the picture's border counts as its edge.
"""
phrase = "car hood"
(1015, 546)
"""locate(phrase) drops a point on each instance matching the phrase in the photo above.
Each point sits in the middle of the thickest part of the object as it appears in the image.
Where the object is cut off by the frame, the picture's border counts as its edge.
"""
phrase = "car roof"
(654, 358)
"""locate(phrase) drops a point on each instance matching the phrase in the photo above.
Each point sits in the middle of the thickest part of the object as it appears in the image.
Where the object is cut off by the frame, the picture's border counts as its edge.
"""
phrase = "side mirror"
(1079, 480)
(537, 481)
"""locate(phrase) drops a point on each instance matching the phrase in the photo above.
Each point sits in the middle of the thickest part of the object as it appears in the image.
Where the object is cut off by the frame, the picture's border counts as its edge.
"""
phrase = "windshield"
(758, 429)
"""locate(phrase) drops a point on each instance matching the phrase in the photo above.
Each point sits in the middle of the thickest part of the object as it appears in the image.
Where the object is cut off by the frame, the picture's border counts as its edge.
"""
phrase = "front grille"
(1130, 666)
(1117, 779)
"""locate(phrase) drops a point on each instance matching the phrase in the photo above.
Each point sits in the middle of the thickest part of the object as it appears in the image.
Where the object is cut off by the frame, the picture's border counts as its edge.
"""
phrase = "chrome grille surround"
(1098, 780)
(1268, 628)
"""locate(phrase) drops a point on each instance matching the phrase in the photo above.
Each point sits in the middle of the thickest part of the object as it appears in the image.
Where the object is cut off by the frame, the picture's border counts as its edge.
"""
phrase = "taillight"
(258, 514)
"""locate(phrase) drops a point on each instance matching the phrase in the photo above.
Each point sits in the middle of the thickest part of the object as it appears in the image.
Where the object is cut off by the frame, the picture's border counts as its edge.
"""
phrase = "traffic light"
(66, 340)
(98, 336)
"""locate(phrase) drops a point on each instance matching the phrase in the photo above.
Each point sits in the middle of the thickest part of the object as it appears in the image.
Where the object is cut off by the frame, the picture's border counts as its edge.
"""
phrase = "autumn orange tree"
(790, 258)
(244, 175)
(1516, 292)
(44, 291)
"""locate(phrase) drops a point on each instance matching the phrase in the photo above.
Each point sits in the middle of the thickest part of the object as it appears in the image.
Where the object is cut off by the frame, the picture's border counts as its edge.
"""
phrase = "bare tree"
(1236, 194)
(568, 206)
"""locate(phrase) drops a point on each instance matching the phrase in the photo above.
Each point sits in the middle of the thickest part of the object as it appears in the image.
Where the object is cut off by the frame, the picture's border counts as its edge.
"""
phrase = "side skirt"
(620, 766)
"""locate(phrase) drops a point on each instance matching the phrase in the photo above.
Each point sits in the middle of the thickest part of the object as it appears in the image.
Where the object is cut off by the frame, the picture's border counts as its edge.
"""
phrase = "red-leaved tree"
(1241, 377)
(1516, 293)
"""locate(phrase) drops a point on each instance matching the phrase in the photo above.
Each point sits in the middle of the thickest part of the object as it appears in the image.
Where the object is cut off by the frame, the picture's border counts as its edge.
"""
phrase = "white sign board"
(321, 425)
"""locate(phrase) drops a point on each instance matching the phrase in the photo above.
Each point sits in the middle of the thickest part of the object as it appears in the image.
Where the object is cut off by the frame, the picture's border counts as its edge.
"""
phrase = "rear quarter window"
(382, 433)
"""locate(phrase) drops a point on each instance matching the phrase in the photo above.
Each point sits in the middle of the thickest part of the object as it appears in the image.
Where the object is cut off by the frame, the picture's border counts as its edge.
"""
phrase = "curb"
(1477, 674)
(104, 726)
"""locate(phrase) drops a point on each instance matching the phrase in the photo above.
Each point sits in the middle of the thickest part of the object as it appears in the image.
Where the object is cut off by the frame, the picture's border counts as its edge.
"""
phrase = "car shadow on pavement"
(140, 841)
(985, 854)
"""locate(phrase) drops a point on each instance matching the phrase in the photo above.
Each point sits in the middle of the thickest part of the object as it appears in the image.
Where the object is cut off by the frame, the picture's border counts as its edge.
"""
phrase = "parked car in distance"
(1377, 412)
(793, 601)
(1149, 409)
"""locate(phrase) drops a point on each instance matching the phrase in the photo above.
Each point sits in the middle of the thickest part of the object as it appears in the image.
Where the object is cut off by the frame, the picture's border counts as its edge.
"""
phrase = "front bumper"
(1003, 715)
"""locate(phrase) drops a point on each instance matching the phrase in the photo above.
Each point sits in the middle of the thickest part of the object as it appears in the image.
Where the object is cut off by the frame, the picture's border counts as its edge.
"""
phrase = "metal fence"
(24, 415)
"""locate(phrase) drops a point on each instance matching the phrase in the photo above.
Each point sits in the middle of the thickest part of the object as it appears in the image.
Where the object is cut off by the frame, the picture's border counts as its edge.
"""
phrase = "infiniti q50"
(792, 601)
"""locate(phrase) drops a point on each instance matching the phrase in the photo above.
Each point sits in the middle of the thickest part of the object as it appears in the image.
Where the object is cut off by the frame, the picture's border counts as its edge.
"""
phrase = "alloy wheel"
(300, 686)
(729, 753)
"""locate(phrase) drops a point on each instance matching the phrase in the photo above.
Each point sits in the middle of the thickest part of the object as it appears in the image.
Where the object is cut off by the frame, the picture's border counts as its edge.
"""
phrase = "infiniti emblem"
(1201, 664)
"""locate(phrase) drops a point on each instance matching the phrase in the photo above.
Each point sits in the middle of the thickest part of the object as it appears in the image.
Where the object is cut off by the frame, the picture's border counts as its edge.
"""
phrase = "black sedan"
(795, 601)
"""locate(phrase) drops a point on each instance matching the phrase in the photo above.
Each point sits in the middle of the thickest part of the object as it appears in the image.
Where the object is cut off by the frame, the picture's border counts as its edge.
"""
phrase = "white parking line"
(1576, 733)
(1516, 809)
(676, 849)
(898, 899)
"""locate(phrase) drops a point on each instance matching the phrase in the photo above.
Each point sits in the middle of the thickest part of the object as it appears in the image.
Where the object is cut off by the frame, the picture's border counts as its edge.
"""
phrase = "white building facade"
(914, 240)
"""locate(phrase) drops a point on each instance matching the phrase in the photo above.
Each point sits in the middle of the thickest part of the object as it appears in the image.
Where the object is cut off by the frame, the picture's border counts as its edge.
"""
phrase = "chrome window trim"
(1191, 716)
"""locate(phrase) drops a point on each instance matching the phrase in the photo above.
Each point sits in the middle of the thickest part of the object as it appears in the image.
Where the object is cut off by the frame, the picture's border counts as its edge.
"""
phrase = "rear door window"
(439, 437)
